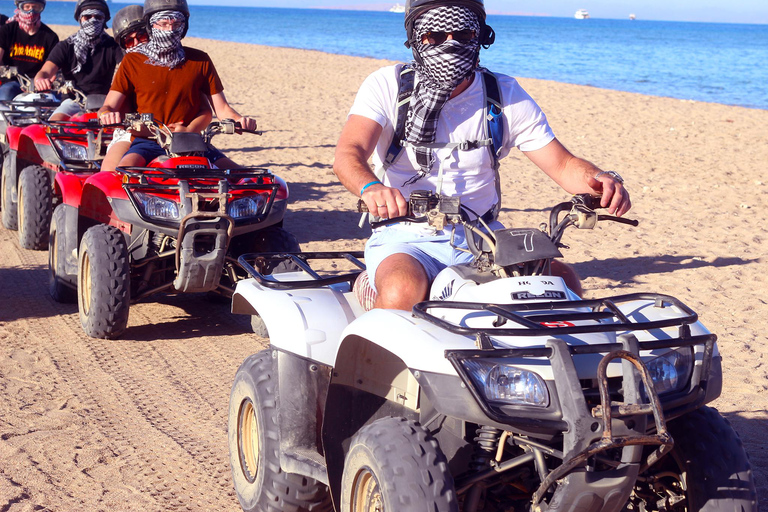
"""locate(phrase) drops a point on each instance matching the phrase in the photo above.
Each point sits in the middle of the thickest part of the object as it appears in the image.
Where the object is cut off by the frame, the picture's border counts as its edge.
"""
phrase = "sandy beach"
(139, 424)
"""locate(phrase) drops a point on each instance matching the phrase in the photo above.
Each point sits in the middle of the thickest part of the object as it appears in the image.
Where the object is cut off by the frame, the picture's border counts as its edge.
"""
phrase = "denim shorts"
(433, 251)
(149, 150)
(69, 108)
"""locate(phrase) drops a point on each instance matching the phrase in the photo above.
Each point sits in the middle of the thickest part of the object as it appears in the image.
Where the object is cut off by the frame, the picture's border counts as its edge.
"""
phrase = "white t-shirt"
(468, 174)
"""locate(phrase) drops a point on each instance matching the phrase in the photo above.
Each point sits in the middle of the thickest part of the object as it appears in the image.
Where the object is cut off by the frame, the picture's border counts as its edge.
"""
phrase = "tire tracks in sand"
(137, 423)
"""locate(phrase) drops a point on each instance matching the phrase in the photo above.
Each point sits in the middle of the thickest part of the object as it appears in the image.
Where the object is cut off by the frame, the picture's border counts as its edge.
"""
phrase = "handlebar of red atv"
(227, 126)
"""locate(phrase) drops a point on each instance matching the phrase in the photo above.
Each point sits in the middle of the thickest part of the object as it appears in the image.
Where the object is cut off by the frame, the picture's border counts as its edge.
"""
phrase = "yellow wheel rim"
(366, 494)
(20, 209)
(248, 440)
(84, 284)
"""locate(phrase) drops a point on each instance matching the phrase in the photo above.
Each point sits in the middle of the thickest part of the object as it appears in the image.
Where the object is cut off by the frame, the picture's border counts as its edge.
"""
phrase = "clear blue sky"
(725, 11)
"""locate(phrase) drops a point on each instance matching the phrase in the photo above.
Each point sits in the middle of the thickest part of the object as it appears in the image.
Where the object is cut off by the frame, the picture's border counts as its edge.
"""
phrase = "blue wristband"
(375, 182)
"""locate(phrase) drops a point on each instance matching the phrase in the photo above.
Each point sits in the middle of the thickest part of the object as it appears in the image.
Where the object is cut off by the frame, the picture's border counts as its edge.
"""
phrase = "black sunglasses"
(462, 36)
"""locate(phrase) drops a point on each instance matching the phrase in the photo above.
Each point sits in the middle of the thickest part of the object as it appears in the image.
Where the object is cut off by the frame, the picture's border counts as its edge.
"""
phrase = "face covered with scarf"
(164, 46)
(29, 19)
(92, 23)
(442, 68)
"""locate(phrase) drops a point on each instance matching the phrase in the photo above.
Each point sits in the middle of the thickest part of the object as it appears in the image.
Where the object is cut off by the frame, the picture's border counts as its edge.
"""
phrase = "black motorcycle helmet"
(153, 6)
(128, 19)
(19, 2)
(91, 4)
(415, 8)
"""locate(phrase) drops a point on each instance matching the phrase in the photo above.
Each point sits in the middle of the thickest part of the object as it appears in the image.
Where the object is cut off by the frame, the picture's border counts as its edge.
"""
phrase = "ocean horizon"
(710, 62)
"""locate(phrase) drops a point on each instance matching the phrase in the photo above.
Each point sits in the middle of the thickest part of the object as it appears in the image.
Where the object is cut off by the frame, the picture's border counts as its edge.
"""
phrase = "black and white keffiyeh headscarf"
(164, 46)
(441, 69)
(90, 34)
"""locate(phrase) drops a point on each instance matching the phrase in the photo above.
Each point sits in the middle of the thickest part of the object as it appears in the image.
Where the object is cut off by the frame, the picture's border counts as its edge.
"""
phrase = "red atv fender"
(99, 191)
(12, 134)
(35, 147)
(69, 187)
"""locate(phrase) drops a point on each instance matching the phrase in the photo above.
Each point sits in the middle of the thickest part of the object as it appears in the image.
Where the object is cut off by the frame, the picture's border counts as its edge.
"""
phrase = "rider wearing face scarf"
(445, 145)
(164, 47)
(25, 43)
(440, 68)
(87, 58)
(91, 33)
(172, 82)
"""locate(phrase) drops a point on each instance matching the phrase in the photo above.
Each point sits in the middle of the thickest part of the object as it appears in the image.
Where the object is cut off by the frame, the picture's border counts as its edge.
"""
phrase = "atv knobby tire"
(34, 207)
(708, 464)
(103, 282)
(56, 257)
(395, 465)
(261, 485)
(273, 239)
(10, 220)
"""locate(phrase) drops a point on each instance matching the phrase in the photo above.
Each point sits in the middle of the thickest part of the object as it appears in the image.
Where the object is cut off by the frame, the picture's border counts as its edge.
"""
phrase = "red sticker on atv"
(557, 324)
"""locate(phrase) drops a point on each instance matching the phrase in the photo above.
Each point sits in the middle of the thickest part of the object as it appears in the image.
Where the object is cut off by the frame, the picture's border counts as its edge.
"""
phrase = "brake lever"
(620, 220)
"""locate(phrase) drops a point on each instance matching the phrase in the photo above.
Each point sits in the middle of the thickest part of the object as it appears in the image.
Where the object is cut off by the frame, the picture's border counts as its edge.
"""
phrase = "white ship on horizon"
(397, 8)
(581, 14)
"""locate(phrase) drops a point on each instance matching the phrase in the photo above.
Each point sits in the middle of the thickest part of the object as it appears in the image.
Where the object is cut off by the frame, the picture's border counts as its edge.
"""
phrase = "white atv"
(503, 392)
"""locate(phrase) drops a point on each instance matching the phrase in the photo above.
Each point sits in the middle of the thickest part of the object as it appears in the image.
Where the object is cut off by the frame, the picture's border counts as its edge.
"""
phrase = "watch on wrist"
(613, 174)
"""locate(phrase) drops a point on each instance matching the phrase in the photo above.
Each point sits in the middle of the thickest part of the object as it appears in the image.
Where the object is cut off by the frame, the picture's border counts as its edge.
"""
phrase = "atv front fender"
(69, 187)
(305, 322)
(420, 344)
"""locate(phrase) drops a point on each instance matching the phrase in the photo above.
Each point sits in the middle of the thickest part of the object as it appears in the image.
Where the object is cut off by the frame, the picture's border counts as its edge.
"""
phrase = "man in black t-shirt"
(88, 57)
(25, 42)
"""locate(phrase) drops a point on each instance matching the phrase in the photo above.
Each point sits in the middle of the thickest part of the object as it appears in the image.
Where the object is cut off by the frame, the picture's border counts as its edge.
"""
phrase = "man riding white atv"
(503, 392)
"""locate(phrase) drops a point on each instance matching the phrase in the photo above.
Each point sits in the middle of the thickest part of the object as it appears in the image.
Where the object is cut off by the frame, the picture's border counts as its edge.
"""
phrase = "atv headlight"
(671, 371)
(72, 151)
(157, 207)
(250, 206)
(503, 384)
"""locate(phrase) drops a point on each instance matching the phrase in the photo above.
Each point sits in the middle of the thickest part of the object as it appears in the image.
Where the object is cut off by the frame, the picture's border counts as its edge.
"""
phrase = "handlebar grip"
(620, 220)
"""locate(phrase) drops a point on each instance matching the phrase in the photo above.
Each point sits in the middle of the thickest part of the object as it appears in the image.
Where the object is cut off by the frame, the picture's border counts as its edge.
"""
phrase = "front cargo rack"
(300, 259)
(542, 319)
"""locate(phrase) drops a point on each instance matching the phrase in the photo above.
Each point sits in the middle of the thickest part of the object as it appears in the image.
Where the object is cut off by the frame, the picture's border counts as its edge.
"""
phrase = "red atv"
(27, 109)
(177, 225)
(44, 149)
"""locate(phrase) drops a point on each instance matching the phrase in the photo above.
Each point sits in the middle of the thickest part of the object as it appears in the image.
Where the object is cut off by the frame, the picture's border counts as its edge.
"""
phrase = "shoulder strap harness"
(493, 130)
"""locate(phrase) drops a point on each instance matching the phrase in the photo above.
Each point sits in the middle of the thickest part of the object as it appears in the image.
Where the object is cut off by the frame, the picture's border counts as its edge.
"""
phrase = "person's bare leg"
(401, 282)
(114, 155)
(59, 117)
(570, 276)
(226, 163)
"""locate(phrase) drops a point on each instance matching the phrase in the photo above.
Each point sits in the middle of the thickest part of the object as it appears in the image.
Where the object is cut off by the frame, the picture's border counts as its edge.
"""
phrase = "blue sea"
(721, 63)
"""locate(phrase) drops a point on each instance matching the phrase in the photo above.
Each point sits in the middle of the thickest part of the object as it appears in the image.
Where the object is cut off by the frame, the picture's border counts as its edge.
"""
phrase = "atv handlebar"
(163, 134)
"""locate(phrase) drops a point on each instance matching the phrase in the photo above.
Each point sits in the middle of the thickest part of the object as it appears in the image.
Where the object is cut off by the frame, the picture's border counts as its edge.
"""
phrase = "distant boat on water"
(397, 8)
(581, 14)
(632, 16)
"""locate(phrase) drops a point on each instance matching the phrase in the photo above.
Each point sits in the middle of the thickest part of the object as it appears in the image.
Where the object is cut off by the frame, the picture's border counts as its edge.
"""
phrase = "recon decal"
(548, 294)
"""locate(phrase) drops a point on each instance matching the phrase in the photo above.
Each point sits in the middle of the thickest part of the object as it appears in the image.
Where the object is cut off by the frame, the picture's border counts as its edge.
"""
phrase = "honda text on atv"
(55, 153)
(504, 391)
(24, 110)
(177, 225)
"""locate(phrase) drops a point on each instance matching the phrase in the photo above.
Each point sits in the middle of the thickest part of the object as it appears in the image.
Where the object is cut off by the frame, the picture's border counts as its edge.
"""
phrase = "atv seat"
(184, 142)
(364, 291)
